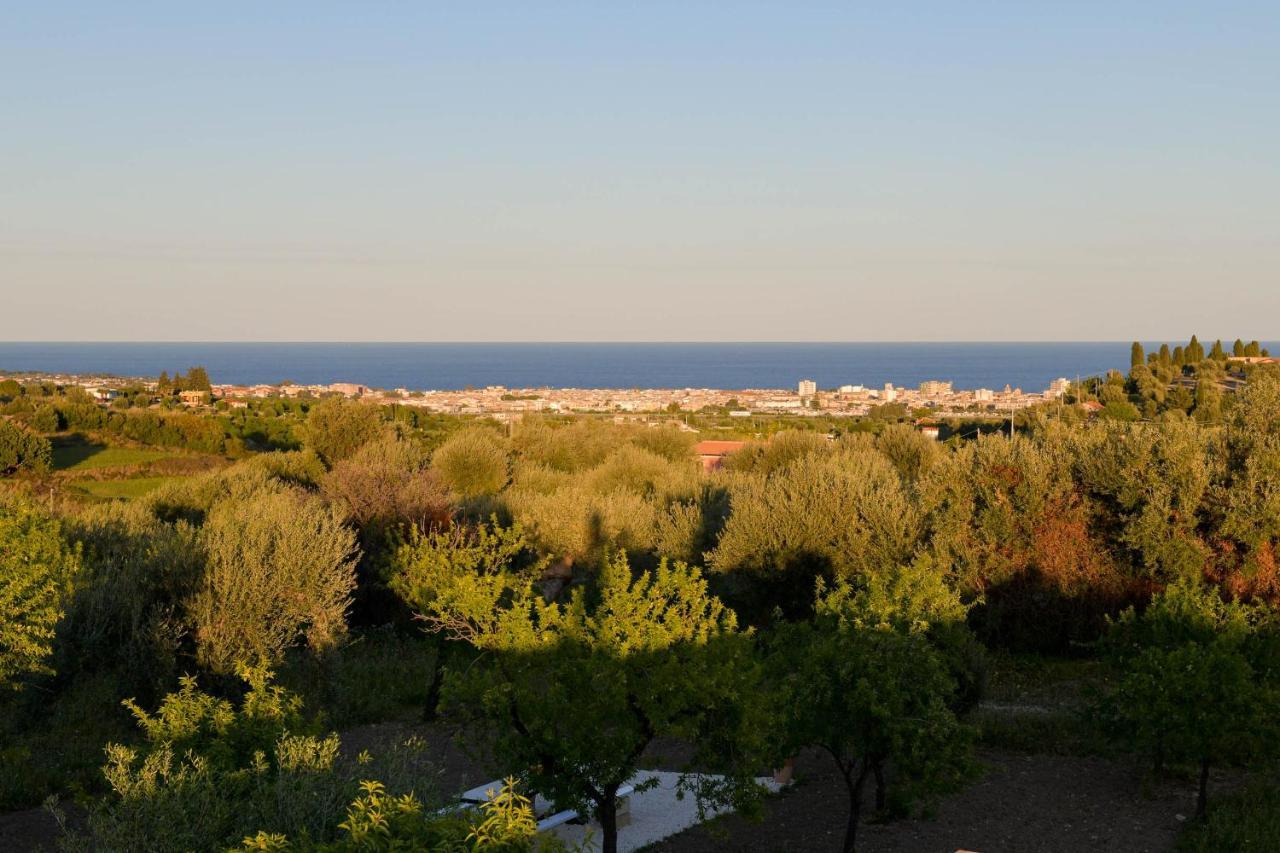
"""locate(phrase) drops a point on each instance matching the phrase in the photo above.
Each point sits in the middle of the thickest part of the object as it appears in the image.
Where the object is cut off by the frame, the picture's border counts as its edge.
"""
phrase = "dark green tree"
(871, 696)
(1136, 355)
(1190, 693)
(198, 380)
(1208, 402)
(22, 449)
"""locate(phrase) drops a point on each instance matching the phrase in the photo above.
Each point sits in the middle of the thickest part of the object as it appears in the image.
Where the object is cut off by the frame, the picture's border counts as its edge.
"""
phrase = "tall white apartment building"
(808, 388)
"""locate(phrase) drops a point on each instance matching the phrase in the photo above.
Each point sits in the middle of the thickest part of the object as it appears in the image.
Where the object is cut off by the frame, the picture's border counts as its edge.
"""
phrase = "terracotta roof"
(718, 448)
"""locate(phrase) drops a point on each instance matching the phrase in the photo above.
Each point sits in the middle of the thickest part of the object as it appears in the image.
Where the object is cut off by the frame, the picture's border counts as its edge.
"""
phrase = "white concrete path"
(655, 815)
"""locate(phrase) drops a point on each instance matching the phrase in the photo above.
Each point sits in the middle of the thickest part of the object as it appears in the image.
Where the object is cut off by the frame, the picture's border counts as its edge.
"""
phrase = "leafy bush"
(45, 419)
(386, 483)
(22, 450)
(127, 613)
(1247, 820)
(377, 675)
(37, 569)
(212, 772)
(337, 428)
(378, 821)
(472, 462)
(279, 570)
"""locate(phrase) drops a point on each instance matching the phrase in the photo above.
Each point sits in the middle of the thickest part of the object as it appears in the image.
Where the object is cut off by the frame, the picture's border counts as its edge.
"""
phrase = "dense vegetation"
(540, 587)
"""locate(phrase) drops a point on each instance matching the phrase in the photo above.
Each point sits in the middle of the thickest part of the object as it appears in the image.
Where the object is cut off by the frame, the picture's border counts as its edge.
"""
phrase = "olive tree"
(337, 428)
(838, 514)
(473, 462)
(279, 571)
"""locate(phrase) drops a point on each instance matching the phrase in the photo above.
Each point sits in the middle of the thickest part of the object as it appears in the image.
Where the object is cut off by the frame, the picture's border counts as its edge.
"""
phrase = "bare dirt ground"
(1022, 804)
(29, 829)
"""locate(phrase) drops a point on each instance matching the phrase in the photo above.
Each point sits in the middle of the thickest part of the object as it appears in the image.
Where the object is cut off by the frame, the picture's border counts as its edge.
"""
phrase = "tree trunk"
(431, 707)
(1202, 799)
(607, 814)
(882, 794)
(854, 787)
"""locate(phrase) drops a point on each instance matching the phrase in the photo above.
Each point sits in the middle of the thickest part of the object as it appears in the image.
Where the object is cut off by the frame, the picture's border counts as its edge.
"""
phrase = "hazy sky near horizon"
(655, 171)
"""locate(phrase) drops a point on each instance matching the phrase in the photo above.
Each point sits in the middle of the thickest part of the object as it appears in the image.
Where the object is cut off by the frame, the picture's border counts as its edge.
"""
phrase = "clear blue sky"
(653, 171)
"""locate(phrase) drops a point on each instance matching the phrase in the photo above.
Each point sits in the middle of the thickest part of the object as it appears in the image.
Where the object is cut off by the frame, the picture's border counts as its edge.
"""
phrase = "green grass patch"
(86, 456)
(121, 489)
(1248, 819)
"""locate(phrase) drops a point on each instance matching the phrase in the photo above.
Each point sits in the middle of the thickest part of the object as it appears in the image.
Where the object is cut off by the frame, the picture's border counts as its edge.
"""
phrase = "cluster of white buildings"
(807, 400)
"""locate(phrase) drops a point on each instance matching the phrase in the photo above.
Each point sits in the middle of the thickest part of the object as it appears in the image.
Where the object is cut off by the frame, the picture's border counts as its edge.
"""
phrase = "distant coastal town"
(806, 400)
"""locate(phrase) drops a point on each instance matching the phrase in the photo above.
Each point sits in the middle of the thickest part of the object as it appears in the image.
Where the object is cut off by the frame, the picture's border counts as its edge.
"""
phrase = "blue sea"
(1031, 366)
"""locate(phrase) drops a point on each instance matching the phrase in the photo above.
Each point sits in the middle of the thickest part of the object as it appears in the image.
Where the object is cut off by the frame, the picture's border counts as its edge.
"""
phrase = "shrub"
(22, 450)
(280, 570)
(472, 462)
(379, 821)
(337, 428)
(36, 572)
(211, 772)
(386, 483)
(127, 611)
(44, 419)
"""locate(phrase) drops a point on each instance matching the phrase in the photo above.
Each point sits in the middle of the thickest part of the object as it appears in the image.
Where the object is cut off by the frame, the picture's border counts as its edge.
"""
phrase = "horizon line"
(508, 342)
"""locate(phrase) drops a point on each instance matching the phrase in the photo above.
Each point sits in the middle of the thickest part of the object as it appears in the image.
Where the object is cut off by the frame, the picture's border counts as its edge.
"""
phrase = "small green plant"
(381, 822)
(212, 771)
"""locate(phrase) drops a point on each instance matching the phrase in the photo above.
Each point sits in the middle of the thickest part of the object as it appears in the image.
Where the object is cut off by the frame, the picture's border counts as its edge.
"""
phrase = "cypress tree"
(1194, 353)
(1136, 355)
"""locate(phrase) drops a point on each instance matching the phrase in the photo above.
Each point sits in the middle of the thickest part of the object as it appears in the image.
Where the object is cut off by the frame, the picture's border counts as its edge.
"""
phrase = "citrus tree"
(1198, 685)
(573, 693)
(862, 682)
